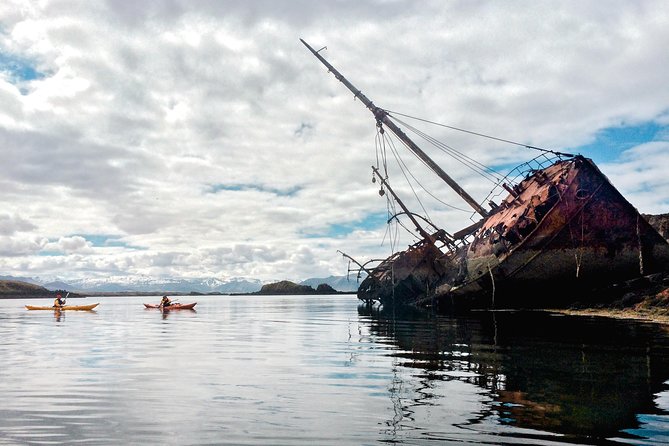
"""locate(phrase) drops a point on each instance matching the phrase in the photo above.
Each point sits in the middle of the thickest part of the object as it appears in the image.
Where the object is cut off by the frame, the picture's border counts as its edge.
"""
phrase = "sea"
(324, 370)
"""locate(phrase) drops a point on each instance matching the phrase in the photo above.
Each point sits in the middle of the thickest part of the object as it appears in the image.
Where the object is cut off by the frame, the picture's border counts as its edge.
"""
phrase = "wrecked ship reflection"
(583, 378)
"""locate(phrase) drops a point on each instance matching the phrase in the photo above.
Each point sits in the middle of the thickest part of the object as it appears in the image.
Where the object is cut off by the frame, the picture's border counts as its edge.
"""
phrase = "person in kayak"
(165, 302)
(59, 301)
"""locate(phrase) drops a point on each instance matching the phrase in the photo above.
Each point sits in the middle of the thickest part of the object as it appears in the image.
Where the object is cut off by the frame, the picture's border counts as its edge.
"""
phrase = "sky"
(191, 139)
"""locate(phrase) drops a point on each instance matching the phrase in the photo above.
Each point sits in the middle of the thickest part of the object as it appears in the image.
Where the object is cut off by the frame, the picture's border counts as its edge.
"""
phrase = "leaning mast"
(383, 117)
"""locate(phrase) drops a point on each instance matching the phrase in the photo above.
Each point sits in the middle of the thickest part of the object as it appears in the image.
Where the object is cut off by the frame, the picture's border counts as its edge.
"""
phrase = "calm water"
(321, 370)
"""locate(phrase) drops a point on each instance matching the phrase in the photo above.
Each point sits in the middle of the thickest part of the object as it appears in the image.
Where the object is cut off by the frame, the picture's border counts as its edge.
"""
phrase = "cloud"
(208, 141)
(11, 224)
(641, 176)
(16, 248)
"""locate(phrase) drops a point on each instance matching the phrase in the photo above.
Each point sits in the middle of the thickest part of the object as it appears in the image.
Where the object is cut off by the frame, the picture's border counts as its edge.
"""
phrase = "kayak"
(64, 307)
(173, 306)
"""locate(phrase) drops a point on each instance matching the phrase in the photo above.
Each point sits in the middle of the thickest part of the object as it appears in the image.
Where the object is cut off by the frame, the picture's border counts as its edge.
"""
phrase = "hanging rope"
(381, 160)
(405, 170)
(638, 236)
(492, 280)
(578, 254)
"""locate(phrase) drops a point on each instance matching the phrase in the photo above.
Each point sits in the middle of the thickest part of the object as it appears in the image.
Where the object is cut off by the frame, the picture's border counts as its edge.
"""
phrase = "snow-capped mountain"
(148, 284)
(144, 284)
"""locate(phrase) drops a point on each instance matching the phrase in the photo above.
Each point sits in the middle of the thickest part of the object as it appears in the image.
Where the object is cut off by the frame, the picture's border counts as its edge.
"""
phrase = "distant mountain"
(20, 288)
(179, 286)
(57, 285)
(21, 279)
(143, 284)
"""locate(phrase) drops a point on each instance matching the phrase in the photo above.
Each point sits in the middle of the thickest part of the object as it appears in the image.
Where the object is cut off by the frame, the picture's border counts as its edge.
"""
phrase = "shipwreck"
(562, 231)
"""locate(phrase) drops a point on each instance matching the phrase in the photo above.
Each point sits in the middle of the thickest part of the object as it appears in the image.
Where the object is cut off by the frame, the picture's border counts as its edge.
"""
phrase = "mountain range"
(116, 284)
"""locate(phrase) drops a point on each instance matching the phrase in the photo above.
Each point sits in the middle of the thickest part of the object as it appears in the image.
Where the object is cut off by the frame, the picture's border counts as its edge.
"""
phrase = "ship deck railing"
(522, 172)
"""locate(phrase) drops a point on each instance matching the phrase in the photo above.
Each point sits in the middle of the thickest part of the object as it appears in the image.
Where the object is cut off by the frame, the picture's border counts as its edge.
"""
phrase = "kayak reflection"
(566, 375)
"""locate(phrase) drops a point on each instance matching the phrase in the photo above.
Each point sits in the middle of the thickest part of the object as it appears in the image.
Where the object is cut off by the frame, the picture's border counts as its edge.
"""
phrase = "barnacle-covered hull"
(563, 230)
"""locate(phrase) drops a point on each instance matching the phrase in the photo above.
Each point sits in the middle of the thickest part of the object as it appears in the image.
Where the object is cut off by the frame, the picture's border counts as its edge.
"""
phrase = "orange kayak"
(173, 306)
(64, 307)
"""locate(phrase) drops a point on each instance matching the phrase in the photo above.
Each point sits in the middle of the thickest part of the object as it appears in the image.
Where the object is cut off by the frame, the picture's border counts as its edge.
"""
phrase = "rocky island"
(288, 287)
(14, 289)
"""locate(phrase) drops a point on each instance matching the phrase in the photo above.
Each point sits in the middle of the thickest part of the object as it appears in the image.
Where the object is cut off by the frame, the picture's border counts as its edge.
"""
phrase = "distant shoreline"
(315, 293)
(34, 296)
(145, 294)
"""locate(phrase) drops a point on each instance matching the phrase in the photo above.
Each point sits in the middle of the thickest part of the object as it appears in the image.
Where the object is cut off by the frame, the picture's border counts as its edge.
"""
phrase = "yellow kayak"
(64, 307)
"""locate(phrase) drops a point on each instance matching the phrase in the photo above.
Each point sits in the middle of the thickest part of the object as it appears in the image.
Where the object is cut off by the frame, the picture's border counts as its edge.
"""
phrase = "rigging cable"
(477, 167)
(390, 205)
(421, 185)
(527, 146)
(400, 163)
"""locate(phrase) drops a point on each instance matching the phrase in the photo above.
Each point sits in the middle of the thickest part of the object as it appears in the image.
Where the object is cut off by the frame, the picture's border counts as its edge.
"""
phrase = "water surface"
(322, 370)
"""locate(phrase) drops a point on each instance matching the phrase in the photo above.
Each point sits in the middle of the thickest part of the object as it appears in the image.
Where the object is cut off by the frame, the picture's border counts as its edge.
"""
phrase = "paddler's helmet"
(58, 296)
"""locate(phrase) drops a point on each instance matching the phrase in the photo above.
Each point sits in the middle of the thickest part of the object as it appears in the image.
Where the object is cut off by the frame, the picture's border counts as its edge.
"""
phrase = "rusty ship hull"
(568, 230)
(562, 231)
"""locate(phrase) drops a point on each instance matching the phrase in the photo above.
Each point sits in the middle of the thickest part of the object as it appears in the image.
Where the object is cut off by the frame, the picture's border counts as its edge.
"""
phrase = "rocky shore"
(646, 299)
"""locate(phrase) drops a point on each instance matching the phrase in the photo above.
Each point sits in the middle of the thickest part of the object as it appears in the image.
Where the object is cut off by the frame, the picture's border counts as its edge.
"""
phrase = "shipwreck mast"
(419, 228)
(382, 117)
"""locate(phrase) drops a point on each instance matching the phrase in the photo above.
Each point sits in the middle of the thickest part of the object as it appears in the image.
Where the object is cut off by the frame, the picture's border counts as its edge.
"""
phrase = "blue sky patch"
(370, 222)
(106, 241)
(214, 188)
(97, 241)
(19, 69)
(611, 142)
(50, 253)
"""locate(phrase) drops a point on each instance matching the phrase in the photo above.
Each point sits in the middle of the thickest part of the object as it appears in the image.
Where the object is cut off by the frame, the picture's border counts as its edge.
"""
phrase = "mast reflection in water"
(579, 377)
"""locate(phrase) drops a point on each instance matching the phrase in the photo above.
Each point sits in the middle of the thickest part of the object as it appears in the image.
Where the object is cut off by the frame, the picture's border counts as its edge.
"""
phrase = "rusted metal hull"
(562, 231)
(406, 275)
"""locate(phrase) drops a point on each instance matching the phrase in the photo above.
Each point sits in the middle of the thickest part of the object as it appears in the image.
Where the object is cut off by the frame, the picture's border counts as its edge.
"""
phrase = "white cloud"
(13, 248)
(11, 224)
(641, 176)
(143, 107)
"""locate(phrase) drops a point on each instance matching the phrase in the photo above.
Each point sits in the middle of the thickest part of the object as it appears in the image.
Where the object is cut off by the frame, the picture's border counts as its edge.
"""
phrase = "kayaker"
(59, 301)
(165, 302)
